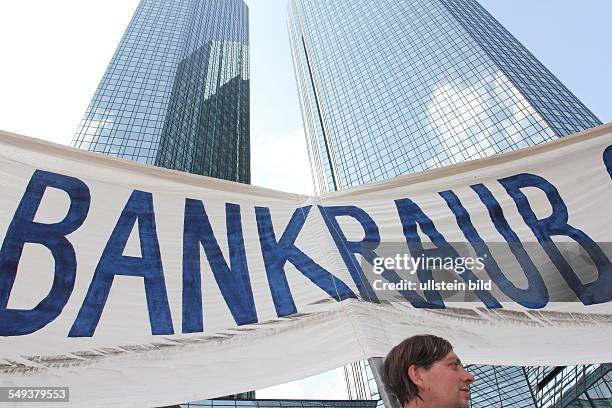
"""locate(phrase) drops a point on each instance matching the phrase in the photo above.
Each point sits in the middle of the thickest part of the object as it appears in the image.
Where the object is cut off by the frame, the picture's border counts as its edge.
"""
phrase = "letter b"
(23, 229)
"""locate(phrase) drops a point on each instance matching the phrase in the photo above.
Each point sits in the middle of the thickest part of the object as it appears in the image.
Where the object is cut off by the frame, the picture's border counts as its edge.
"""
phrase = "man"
(424, 372)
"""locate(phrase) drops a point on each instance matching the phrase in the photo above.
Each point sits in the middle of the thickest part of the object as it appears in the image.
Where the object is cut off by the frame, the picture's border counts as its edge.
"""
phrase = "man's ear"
(415, 374)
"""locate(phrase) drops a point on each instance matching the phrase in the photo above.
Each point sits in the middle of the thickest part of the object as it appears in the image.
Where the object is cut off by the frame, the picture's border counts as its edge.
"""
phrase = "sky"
(54, 54)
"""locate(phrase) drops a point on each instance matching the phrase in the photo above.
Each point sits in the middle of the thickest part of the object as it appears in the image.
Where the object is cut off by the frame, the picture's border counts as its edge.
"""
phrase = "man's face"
(446, 384)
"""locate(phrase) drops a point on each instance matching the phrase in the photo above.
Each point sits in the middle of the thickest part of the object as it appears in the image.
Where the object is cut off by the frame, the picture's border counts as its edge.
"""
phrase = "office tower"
(542, 387)
(278, 403)
(360, 381)
(394, 87)
(499, 386)
(176, 91)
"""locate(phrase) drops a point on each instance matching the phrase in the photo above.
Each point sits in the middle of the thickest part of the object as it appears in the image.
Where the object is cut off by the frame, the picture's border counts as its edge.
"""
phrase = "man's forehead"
(451, 357)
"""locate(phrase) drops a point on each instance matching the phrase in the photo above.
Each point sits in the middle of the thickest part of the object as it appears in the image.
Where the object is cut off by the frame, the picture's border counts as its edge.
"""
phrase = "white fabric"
(124, 364)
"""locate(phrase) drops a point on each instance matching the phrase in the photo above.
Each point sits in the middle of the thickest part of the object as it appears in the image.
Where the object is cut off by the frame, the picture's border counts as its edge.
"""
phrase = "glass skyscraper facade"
(360, 381)
(394, 87)
(176, 92)
(277, 403)
(542, 387)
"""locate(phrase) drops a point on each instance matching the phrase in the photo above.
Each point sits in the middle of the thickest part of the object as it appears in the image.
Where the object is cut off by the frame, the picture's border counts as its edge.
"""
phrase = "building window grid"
(264, 403)
(139, 81)
(526, 95)
(379, 171)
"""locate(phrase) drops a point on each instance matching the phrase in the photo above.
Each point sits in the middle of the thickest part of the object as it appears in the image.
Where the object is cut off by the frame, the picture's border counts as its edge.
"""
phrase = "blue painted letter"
(277, 253)
(23, 229)
(411, 214)
(139, 208)
(607, 158)
(365, 248)
(599, 291)
(234, 281)
(535, 296)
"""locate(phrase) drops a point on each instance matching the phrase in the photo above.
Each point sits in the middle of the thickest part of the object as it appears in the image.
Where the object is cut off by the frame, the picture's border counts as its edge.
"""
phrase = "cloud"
(474, 120)
(281, 163)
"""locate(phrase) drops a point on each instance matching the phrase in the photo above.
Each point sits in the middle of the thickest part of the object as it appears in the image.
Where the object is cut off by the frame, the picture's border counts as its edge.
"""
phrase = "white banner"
(140, 286)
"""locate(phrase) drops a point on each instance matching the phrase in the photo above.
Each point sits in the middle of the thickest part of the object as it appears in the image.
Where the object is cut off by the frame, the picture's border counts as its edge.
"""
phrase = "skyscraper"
(542, 387)
(393, 87)
(176, 92)
(277, 403)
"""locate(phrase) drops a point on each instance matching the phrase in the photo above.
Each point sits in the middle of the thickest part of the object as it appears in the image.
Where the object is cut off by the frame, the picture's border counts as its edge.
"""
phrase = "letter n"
(234, 282)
